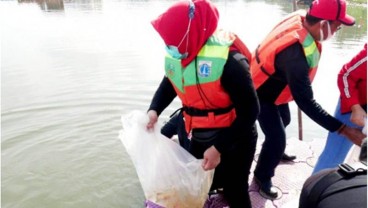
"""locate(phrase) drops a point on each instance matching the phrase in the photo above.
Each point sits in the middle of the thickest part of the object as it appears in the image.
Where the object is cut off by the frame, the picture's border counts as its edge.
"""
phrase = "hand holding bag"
(170, 176)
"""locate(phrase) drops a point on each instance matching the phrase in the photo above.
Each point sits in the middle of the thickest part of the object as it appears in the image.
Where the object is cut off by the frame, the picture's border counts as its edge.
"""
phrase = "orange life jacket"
(286, 33)
(205, 102)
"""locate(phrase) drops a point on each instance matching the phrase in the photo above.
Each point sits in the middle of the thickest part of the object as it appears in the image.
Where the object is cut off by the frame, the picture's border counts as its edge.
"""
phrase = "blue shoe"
(266, 189)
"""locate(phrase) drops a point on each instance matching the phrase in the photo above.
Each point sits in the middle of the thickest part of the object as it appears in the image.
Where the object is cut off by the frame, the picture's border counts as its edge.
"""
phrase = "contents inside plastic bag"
(170, 176)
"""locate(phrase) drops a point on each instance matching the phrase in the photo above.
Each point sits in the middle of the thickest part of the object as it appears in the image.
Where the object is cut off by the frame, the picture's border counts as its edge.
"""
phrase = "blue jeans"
(273, 120)
(337, 146)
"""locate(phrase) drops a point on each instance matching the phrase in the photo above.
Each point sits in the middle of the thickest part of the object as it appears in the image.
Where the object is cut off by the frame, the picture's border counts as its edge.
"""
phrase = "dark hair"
(312, 20)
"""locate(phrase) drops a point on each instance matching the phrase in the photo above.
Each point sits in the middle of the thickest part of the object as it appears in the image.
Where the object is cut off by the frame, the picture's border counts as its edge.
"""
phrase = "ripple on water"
(67, 154)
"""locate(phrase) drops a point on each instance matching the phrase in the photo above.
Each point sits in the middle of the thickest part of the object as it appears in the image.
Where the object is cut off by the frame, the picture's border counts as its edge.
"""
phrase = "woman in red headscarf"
(208, 69)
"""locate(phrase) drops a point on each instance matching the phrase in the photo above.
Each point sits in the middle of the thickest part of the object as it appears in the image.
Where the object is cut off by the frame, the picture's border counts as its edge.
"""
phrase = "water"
(70, 69)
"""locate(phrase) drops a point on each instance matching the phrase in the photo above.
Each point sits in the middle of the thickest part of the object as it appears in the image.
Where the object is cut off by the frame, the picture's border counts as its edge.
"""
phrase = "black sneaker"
(288, 158)
(266, 189)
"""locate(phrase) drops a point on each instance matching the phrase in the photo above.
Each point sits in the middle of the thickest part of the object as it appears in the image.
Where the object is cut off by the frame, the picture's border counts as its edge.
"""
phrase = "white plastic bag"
(170, 176)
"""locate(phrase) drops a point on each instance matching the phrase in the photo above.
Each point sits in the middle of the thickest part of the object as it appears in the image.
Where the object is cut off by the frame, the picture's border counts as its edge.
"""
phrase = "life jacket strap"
(259, 62)
(204, 112)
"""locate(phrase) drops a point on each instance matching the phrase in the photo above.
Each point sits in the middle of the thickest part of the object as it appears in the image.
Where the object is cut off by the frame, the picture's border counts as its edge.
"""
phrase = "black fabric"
(176, 126)
(292, 69)
(334, 188)
(206, 135)
(236, 143)
(273, 121)
(198, 112)
(232, 174)
(163, 96)
(236, 80)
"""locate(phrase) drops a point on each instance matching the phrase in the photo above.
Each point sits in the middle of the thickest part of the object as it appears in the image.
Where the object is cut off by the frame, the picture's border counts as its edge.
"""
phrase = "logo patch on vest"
(171, 70)
(204, 69)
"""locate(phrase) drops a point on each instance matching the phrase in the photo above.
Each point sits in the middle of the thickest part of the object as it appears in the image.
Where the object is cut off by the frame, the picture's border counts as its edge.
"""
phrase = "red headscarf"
(173, 24)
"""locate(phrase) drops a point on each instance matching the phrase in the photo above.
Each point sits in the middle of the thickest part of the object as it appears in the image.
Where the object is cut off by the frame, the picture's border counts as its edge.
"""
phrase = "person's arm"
(163, 96)
(293, 63)
(358, 115)
(237, 81)
(171, 127)
(349, 80)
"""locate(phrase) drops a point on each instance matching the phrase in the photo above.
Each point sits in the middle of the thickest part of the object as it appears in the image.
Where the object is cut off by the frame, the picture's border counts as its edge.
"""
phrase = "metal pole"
(294, 5)
(300, 122)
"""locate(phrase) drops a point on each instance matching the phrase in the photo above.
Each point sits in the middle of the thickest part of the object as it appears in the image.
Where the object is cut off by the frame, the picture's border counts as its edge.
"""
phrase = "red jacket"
(352, 81)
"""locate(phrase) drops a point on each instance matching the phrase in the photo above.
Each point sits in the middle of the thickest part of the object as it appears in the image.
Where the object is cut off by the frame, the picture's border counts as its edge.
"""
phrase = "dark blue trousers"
(273, 120)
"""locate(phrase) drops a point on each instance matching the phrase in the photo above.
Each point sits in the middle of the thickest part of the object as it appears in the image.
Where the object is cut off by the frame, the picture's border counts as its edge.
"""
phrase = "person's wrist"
(218, 148)
(341, 129)
(356, 107)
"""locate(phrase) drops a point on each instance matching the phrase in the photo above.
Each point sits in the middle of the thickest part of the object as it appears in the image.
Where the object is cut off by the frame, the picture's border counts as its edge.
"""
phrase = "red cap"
(331, 10)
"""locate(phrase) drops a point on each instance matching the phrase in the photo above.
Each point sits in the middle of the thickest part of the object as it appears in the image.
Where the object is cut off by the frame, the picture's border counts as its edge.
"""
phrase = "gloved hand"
(354, 134)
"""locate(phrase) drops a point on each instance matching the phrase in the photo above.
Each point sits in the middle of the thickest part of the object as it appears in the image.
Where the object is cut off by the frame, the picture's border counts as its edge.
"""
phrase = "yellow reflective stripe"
(309, 50)
(214, 51)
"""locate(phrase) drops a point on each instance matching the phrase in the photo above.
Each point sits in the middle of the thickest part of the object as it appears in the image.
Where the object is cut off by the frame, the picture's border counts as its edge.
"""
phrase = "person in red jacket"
(351, 109)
